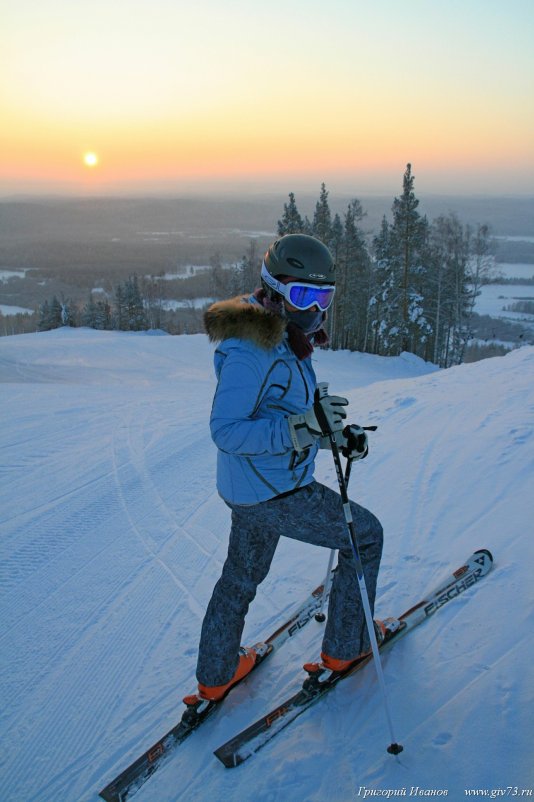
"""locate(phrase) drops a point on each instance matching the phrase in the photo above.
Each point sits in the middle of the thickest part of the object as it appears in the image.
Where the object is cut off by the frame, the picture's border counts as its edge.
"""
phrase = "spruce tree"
(56, 314)
(407, 328)
(88, 316)
(120, 317)
(352, 284)
(69, 313)
(251, 267)
(337, 237)
(458, 280)
(291, 222)
(97, 314)
(135, 308)
(335, 249)
(44, 317)
(244, 276)
(322, 218)
(384, 303)
(219, 278)
(103, 318)
(359, 277)
(236, 284)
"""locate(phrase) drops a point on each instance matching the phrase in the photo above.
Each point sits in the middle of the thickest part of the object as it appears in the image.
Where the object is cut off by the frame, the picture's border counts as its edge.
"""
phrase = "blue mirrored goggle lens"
(306, 297)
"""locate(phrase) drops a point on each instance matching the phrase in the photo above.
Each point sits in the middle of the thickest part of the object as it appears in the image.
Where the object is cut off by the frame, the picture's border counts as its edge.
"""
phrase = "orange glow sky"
(175, 95)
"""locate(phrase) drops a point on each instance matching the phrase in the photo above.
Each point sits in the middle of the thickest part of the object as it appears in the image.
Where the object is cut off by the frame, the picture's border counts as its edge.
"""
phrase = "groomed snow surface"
(113, 537)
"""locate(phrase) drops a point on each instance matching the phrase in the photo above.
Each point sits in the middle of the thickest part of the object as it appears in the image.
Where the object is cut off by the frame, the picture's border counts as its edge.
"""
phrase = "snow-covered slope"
(113, 536)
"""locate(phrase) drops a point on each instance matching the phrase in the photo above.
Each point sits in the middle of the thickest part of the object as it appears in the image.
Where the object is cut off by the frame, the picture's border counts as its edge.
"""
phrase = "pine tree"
(236, 284)
(55, 315)
(322, 218)
(448, 294)
(459, 247)
(219, 278)
(337, 237)
(69, 313)
(152, 292)
(335, 248)
(409, 235)
(103, 318)
(403, 270)
(385, 302)
(352, 284)
(244, 276)
(291, 222)
(251, 267)
(96, 314)
(135, 308)
(120, 317)
(308, 227)
(88, 316)
(44, 317)
(359, 277)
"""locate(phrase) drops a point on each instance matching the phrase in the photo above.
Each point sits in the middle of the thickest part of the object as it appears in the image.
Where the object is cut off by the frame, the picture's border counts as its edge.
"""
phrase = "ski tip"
(229, 759)
(487, 552)
(109, 794)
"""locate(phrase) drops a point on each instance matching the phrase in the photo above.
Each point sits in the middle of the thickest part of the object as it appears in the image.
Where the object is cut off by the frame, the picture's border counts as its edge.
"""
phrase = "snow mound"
(113, 536)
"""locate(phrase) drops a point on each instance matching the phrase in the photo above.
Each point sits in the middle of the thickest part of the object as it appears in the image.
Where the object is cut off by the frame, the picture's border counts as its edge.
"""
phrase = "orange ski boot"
(214, 693)
(334, 664)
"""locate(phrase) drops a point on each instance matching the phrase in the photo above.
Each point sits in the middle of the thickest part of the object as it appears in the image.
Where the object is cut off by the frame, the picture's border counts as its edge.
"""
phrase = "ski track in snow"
(113, 536)
(149, 516)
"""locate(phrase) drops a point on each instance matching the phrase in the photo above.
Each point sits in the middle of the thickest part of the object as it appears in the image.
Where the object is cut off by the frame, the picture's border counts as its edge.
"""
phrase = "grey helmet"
(302, 257)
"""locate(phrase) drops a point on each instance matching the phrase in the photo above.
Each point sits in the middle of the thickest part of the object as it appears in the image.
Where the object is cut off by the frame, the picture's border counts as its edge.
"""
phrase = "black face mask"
(309, 320)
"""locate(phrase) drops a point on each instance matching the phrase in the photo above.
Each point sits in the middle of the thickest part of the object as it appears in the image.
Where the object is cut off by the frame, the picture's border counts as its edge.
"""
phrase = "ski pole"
(394, 748)
(320, 616)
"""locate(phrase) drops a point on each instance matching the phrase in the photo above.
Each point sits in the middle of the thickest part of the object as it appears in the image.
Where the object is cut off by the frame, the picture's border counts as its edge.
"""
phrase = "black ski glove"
(355, 444)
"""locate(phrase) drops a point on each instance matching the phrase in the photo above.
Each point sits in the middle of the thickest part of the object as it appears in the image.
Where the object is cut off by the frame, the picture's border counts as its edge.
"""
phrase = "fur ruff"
(237, 317)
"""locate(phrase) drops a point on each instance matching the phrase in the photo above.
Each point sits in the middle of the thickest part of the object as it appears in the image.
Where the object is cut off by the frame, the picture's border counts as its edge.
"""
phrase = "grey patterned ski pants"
(312, 515)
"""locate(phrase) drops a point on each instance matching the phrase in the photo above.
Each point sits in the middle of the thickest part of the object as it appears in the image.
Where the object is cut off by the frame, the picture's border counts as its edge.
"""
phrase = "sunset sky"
(277, 94)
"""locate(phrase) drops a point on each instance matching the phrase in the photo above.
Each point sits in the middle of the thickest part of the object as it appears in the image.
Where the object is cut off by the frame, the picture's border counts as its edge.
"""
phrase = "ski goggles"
(300, 294)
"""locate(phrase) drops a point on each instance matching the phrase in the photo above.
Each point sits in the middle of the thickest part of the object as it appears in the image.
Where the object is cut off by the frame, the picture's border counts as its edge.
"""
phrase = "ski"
(320, 680)
(132, 778)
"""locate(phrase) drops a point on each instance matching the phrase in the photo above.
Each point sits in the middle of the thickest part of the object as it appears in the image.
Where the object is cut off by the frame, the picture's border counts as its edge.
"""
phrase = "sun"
(90, 159)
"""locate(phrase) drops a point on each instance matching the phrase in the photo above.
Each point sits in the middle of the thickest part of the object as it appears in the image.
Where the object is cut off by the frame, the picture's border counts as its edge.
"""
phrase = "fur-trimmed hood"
(242, 318)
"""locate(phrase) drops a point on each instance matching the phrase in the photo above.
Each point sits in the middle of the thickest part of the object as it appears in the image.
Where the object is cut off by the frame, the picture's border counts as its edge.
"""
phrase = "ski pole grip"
(321, 391)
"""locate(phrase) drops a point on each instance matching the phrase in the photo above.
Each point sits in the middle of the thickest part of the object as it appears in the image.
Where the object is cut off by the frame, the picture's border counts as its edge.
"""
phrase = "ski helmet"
(302, 257)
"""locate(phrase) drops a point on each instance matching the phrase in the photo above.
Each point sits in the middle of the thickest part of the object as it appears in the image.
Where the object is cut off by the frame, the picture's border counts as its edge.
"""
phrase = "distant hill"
(95, 218)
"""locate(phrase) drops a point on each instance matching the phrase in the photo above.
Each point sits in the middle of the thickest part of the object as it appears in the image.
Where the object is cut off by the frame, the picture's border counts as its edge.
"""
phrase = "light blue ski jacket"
(260, 383)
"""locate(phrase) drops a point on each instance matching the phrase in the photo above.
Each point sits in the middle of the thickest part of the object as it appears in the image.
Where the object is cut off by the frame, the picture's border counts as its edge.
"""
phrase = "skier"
(264, 422)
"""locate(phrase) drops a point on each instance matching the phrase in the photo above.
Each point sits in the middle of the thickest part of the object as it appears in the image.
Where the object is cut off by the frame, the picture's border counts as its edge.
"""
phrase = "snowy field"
(14, 310)
(516, 269)
(6, 274)
(113, 536)
(495, 298)
(193, 303)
